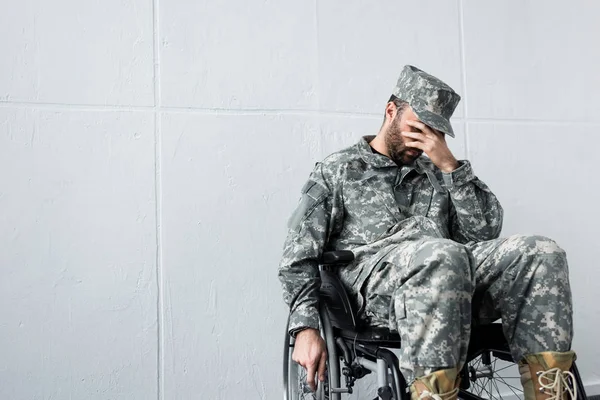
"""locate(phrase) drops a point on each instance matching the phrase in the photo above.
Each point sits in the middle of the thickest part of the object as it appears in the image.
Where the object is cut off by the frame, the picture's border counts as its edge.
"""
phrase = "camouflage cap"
(431, 99)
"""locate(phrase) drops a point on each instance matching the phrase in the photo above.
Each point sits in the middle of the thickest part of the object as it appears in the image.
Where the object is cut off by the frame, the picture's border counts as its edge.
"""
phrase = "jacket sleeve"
(475, 213)
(299, 267)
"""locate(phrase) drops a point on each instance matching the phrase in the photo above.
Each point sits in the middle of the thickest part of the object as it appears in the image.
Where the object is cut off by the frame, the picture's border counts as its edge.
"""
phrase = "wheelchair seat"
(342, 309)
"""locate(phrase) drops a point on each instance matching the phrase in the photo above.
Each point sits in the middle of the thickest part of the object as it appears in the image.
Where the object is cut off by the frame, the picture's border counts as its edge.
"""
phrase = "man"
(425, 234)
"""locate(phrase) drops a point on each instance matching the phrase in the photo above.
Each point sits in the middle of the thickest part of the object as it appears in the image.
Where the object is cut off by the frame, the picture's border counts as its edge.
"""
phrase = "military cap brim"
(435, 121)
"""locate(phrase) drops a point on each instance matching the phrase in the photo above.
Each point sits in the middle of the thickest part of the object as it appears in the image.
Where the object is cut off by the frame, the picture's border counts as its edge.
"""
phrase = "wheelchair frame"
(369, 358)
(364, 351)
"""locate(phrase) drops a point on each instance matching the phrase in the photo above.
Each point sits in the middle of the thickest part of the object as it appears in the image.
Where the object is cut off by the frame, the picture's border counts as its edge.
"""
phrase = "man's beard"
(396, 147)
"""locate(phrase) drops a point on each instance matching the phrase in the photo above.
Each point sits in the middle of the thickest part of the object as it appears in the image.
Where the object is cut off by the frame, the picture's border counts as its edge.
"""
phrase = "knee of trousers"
(447, 262)
(542, 249)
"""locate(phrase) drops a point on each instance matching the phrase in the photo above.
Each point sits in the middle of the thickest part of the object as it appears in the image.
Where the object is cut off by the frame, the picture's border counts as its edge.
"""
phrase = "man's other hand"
(311, 353)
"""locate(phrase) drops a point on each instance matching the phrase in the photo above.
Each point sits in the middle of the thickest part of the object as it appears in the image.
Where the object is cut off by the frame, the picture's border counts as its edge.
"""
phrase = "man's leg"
(424, 288)
(525, 279)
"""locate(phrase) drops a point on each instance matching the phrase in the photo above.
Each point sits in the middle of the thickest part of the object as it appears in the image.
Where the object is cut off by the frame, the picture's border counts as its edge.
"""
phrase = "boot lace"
(556, 383)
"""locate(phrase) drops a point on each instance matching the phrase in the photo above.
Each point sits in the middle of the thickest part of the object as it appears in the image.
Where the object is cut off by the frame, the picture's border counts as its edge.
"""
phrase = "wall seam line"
(463, 67)
(84, 107)
(277, 112)
(318, 114)
(158, 203)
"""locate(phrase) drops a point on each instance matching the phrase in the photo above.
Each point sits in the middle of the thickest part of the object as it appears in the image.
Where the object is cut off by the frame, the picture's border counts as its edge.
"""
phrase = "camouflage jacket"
(359, 200)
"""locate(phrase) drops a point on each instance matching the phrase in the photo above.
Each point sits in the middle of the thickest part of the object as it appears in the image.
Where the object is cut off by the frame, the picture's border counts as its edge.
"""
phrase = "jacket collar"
(376, 160)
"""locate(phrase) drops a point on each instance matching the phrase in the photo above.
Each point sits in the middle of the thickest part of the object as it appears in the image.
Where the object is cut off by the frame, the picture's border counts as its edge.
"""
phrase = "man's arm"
(299, 267)
(299, 273)
(476, 213)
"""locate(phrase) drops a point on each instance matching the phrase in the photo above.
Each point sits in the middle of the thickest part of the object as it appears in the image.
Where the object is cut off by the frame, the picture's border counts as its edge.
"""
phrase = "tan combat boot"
(546, 376)
(439, 385)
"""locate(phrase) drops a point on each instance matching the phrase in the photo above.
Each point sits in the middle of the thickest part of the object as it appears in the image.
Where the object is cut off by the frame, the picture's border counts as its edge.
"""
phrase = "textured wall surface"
(152, 151)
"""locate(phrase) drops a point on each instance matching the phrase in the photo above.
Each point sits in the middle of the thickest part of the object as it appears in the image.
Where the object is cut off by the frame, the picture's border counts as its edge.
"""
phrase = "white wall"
(152, 151)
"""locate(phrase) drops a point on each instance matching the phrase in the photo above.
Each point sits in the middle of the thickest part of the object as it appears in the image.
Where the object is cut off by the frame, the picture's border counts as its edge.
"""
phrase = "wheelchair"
(355, 350)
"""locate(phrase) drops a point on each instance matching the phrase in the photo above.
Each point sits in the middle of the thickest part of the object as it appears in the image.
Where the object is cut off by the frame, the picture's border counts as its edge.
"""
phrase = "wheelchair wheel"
(494, 375)
(491, 374)
(295, 386)
(298, 388)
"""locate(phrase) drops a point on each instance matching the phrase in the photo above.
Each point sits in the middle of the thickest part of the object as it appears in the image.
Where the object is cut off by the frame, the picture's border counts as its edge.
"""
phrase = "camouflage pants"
(430, 289)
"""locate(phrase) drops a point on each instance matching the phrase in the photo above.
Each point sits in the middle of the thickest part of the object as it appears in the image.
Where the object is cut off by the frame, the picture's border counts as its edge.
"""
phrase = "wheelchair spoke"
(511, 387)
(493, 380)
(502, 379)
(491, 389)
(497, 389)
(503, 368)
(480, 388)
(486, 380)
(486, 392)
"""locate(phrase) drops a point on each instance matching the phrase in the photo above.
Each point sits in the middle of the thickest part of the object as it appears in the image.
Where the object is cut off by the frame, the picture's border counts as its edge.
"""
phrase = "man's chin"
(406, 157)
(409, 159)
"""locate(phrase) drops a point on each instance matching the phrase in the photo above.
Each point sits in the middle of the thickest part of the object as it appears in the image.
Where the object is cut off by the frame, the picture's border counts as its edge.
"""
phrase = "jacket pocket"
(312, 195)
(422, 198)
(397, 307)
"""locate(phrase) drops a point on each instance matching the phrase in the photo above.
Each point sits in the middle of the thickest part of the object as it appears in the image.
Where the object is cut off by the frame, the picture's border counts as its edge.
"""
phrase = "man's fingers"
(420, 126)
(322, 363)
(427, 130)
(415, 135)
(417, 145)
(310, 376)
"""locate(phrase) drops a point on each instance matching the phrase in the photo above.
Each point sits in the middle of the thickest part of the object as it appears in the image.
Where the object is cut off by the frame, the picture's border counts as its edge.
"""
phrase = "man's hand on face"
(311, 353)
(432, 143)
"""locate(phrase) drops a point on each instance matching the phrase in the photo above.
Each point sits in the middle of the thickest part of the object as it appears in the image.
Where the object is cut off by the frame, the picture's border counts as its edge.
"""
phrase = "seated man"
(425, 231)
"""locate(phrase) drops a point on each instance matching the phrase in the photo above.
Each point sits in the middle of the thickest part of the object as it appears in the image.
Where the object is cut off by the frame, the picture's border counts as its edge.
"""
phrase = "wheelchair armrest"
(337, 257)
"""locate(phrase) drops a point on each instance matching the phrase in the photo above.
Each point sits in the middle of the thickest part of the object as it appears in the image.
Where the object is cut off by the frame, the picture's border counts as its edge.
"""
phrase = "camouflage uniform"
(427, 255)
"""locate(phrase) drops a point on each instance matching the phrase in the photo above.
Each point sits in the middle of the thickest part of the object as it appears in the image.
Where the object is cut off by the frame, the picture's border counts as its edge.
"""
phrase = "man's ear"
(390, 111)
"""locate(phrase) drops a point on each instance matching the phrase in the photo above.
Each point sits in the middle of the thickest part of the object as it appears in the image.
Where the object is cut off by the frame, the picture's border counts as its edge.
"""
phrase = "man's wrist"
(450, 167)
(459, 176)
(306, 331)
